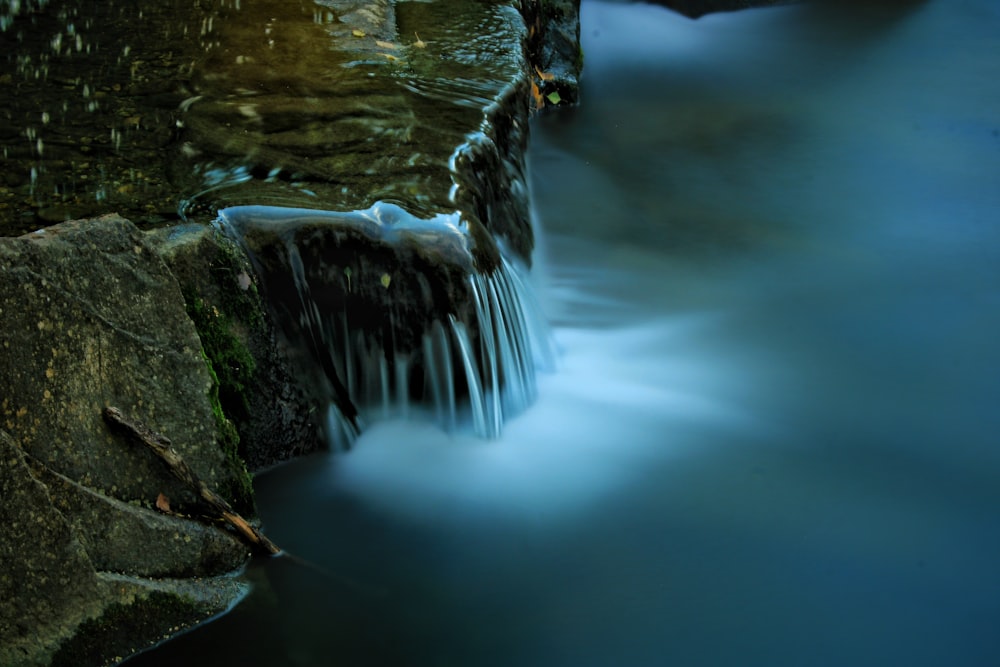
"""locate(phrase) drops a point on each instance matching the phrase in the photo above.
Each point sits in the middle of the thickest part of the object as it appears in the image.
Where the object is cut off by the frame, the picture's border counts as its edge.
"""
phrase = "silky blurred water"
(770, 252)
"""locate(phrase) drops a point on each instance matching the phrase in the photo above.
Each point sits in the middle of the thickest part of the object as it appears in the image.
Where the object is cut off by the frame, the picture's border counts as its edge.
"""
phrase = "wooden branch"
(162, 447)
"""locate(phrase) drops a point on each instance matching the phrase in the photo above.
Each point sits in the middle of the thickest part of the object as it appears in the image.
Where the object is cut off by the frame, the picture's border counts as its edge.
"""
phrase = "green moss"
(124, 629)
(245, 305)
(219, 321)
(239, 490)
(228, 355)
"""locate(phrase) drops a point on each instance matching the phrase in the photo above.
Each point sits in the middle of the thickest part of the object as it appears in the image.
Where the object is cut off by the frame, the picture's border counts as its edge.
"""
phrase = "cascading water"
(408, 326)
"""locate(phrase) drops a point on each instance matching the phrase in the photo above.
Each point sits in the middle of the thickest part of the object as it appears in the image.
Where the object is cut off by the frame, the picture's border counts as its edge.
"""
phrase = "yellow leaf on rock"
(536, 95)
(385, 45)
(163, 504)
(419, 43)
(358, 33)
(545, 76)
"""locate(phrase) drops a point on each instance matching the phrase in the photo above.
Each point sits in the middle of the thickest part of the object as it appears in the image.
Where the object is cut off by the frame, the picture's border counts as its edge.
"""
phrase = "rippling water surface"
(771, 258)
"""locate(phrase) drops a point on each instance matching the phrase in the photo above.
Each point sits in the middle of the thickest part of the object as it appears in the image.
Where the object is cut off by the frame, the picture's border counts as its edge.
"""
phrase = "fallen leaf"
(358, 33)
(419, 43)
(163, 504)
(544, 76)
(385, 45)
(553, 97)
(536, 95)
(386, 279)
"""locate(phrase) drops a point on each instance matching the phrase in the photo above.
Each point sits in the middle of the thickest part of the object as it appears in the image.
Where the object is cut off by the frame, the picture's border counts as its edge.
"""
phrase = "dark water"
(771, 256)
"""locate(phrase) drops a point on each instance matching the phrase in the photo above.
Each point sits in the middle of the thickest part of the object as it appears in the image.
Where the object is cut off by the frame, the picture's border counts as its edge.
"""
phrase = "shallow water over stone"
(173, 111)
(771, 261)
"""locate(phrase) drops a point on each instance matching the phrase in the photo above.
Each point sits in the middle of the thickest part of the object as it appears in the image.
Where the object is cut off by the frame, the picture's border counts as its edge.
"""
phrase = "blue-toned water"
(770, 253)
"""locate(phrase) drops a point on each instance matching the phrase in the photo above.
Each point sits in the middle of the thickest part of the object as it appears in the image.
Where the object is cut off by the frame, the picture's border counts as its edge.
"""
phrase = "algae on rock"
(254, 387)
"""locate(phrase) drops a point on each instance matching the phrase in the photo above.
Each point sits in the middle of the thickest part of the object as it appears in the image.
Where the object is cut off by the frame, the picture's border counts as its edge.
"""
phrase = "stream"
(769, 254)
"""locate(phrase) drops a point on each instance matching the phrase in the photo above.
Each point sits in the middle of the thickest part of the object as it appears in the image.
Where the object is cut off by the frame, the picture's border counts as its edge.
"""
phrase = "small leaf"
(163, 504)
(385, 45)
(553, 97)
(420, 44)
(386, 279)
(357, 32)
(544, 76)
(536, 95)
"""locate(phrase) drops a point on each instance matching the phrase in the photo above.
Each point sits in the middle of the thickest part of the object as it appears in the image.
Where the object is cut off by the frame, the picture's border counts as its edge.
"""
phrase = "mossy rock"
(147, 614)
(254, 392)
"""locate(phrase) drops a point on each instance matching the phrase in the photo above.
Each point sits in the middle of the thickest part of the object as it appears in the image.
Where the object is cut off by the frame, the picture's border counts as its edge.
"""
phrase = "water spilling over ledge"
(388, 314)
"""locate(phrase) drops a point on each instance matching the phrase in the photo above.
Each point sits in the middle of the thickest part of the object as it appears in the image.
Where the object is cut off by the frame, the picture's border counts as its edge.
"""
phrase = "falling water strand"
(439, 379)
(502, 384)
(401, 363)
(488, 350)
(477, 401)
(498, 373)
(479, 367)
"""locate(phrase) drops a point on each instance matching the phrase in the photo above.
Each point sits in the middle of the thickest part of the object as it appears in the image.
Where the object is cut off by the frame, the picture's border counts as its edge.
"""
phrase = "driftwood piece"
(162, 447)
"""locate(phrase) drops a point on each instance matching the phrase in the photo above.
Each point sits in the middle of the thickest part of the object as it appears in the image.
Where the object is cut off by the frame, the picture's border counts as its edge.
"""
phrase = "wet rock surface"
(256, 388)
(93, 318)
(353, 293)
(554, 51)
(48, 584)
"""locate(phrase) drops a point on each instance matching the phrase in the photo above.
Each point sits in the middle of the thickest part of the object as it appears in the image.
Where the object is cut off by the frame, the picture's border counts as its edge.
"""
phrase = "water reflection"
(771, 262)
(180, 109)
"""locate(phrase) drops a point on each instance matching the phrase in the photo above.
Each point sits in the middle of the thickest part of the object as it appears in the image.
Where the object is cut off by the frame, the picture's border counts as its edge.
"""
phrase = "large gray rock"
(48, 585)
(94, 318)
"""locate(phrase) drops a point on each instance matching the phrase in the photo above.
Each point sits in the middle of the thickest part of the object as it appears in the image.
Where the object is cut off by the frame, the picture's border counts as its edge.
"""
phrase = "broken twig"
(161, 446)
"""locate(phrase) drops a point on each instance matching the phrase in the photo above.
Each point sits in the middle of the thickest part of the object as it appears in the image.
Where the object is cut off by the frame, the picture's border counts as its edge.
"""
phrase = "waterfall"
(385, 316)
